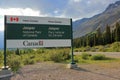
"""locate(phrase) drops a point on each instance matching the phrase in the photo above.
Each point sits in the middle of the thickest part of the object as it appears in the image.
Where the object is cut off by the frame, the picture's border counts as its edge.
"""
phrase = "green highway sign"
(31, 32)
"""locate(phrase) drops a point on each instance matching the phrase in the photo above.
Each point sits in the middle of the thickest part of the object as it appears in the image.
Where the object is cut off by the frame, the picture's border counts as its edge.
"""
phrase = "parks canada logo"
(33, 43)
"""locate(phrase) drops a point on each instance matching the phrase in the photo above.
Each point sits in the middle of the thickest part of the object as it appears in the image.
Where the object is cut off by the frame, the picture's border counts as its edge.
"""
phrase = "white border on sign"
(38, 43)
(37, 20)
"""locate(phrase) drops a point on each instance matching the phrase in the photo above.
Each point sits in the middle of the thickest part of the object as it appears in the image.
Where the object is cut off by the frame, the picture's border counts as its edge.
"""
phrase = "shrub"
(14, 63)
(115, 47)
(77, 58)
(28, 61)
(31, 57)
(56, 57)
(98, 57)
(1, 58)
(85, 56)
(59, 55)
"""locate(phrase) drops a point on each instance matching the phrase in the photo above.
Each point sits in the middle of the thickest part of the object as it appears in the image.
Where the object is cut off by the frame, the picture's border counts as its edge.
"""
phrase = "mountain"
(1, 39)
(87, 25)
(76, 23)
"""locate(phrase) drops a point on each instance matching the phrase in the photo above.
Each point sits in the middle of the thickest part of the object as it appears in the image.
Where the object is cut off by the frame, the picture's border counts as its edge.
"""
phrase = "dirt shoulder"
(58, 71)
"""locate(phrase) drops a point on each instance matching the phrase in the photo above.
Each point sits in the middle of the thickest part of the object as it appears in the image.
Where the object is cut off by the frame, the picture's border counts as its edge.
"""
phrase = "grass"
(114, 47)
(80, 60)
(29, 57)
(1, 58)
(59, 55)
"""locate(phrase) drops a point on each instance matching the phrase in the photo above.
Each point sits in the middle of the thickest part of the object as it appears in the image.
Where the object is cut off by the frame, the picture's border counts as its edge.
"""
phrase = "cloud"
(17, 11)
(77, 0)
(20, 11)
(75, 9)
(78, 9)
(56, 11)
(1, 23)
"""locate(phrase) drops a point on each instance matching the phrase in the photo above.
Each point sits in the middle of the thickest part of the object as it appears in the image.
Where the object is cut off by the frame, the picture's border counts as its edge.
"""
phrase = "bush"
(56, 57)
(77, 58)
(30, 57)
(85, 56)
(14, 63)
(28, 61)
(1, 58)
(115, 47)
(98, 57)
(59, 56)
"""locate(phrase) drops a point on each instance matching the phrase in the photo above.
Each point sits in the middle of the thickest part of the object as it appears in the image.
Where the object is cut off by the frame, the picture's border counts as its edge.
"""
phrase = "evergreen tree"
(117, 32)
(94, 39)
(112, 36)
(99, 36)
(80, 42)
(87, 41)
(17, 52)
(103, 39)
(107, 35)
(83, 41)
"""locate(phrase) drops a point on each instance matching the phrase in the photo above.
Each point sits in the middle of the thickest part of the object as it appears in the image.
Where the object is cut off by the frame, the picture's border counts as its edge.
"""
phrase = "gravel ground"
(58, 71)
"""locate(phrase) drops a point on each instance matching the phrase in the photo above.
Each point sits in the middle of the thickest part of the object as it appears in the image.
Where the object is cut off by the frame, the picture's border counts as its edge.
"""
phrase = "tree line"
(108, 36)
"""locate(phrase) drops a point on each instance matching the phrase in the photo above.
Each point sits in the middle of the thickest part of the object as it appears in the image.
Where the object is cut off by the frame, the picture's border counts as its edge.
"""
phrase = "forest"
(110, 35)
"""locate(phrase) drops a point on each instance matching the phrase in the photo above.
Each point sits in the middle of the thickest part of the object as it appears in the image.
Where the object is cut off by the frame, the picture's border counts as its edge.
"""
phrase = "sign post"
(5, 73)
(72, 55)
(5, 45)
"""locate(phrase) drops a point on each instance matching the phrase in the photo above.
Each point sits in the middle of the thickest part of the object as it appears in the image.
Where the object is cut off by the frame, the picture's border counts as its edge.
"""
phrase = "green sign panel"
(32, 32)
(36, 31)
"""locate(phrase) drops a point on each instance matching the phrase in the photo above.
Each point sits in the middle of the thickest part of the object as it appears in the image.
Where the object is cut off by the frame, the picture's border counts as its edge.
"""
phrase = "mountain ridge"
(107, 17)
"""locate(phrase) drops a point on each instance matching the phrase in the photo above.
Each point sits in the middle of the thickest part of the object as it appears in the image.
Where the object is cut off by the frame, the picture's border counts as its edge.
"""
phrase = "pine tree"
(112, 36)
(80, 42)
(117, 32)
(94, 39)
(17, 52)
(87, 41)
(99, 36)
(107, 35)
(103, 39)
(83, 41)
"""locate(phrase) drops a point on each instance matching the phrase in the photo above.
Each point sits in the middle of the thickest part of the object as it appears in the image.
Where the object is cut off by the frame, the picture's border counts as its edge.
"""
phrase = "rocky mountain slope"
(108, 17)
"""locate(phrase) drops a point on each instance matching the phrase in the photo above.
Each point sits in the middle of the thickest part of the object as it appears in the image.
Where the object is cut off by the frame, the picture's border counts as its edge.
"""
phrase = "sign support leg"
(72, 65)
(72, 55)
(5, 45)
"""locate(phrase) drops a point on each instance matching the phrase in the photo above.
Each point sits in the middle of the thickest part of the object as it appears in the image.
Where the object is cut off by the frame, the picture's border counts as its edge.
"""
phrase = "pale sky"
(75, 9)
